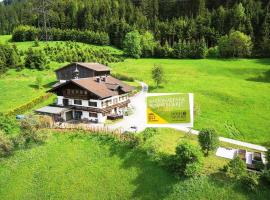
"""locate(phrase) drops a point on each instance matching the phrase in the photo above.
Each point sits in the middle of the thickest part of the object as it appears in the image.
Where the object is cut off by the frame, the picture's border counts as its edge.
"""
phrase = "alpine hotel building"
(87, 91)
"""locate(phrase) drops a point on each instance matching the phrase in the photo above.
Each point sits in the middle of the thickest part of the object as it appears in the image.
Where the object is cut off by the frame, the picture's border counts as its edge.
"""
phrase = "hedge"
(29, 33)
(123, 77)
(29, 105)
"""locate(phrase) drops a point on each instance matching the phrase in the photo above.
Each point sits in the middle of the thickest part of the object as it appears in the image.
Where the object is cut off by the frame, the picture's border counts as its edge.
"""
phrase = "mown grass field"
(231, 96)
(19, 88)
(71, 166)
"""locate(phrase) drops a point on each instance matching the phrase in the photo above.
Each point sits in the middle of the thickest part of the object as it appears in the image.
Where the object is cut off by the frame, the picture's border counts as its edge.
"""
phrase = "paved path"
(138, 119)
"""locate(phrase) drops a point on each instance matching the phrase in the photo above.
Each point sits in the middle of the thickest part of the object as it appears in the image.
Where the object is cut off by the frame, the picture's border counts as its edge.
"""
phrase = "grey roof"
(52, 110)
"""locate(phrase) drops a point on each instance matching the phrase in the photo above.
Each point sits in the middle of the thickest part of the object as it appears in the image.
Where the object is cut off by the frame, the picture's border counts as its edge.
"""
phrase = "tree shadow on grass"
(49, 85)
(219, 179)
(265, 78)
(34, 86)
(152, 182)
(155, 182)
(152, 88)
(46, 86)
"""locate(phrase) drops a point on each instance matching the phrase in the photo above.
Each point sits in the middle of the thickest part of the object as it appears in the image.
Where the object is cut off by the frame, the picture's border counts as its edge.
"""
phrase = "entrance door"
(78, 115)
(69, 115)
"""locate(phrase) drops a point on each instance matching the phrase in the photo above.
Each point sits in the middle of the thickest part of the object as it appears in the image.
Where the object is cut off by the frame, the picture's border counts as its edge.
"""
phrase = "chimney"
(103, 78)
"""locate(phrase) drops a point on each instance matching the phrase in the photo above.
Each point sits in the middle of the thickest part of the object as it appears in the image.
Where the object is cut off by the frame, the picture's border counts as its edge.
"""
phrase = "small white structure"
(226, 152)
(250, 158)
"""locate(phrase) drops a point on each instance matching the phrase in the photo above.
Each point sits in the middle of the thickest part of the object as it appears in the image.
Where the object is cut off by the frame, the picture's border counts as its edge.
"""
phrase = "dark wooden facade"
(67, 73)
(73, 91)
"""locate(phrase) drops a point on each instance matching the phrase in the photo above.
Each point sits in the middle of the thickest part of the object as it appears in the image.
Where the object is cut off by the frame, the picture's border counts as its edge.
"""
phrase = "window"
(115, 101)
(68, 91)
(93, 104)
(78, 102)
(91, 114)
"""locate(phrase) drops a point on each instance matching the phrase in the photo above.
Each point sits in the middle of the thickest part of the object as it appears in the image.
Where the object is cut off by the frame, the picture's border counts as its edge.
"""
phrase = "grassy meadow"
(19, 88)
(231, 96)
(76, 166)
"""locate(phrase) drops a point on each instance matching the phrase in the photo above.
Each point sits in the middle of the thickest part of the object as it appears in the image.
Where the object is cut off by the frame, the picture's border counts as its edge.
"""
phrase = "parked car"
(132, 129)
(20, 117)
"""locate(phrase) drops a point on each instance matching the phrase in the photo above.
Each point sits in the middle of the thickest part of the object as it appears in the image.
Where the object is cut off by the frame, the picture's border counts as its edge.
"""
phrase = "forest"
(171, 22)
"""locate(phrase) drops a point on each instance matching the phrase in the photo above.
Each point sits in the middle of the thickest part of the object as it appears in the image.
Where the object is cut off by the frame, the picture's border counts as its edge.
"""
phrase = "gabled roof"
(93, 66)
(102, 89)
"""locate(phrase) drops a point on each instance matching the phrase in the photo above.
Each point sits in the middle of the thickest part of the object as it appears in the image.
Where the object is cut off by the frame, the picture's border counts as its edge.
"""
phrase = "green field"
(86, 167)
(19, 88)
(231, 96)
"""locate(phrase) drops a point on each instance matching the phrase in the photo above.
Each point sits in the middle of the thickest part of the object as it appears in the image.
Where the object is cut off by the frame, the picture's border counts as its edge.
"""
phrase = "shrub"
(28, 106)
(250, 181)
(130, 139)
(39, 81)
(25, 33)
(158, 74)
(267, 156)
(9, 58)
(148, 44)
(6, 145)
(36, 43)
(164, 51)
(187, 161)
(237, 44)
(8, 124)
(208, 140)
(28, 33)
(123, 77)
(212, 52)
(236, 168)
(148, 133)
(45, 121)
(266, 175)
(30, 131)
(36, 59)
(132, 44)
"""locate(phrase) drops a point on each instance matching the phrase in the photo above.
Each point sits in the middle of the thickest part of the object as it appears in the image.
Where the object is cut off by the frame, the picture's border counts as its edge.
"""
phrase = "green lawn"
(85, 167)
(231, 96)
(18, 88)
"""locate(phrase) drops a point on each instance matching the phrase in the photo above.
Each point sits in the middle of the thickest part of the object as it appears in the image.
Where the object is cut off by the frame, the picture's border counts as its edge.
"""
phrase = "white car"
(132, 129)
